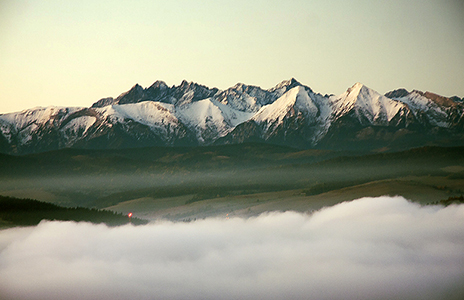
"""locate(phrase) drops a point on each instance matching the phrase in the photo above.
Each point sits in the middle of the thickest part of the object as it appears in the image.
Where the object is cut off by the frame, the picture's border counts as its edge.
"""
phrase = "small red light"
(129, 214)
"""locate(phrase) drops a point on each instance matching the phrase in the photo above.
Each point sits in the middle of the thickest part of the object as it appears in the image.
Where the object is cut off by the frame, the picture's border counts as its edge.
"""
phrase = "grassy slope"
(188, 183)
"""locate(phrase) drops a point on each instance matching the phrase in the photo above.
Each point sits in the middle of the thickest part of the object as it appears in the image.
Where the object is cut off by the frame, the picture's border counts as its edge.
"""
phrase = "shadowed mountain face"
(288, 114)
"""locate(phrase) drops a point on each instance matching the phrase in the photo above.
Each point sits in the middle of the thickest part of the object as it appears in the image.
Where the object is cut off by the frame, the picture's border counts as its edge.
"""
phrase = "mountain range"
(290, 114)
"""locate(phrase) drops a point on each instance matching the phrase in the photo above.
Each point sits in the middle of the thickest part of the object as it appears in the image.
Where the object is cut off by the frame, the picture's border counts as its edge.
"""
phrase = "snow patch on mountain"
(232, 116)
(200, 113)
(148, 113)
(26, 133)
(79, 125)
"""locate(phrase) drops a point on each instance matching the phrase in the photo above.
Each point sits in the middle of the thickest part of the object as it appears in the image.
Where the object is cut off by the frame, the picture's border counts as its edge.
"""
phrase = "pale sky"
(73, 53)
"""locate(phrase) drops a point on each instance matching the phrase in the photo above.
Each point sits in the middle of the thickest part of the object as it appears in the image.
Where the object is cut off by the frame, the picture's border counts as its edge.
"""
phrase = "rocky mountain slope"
(288, 114)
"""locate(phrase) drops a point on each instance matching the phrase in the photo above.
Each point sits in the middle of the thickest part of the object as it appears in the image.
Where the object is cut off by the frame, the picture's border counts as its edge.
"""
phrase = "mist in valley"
(100, 179)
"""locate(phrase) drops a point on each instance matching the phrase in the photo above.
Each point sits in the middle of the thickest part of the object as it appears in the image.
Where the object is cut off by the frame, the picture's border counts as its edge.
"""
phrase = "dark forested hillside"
(28, 212)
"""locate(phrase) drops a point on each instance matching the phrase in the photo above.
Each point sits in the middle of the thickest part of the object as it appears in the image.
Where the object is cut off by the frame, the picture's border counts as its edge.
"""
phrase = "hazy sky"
(372, 248)
(72, 53)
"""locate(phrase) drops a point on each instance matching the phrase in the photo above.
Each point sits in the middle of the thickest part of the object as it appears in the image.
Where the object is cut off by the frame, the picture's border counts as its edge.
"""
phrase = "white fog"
(371, 248)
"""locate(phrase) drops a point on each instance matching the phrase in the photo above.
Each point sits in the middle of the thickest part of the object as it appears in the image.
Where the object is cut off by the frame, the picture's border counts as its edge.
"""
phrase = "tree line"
(29, 212)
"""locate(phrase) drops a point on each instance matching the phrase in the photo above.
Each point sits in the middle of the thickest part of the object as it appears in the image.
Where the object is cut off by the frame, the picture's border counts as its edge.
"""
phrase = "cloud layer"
(371, 248)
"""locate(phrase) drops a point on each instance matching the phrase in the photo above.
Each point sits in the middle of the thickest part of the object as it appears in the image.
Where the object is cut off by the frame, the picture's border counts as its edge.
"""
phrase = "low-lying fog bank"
(371, 248)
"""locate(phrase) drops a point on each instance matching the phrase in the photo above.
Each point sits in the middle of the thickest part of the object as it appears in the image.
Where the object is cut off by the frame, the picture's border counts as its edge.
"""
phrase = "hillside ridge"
(289, 114)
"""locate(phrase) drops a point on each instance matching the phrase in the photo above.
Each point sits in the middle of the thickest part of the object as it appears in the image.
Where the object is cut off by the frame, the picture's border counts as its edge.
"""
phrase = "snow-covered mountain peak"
(367, 104)
(355, 93)
(355, 87)
(285, 86)
(347, 100)
(193, 114)
(294, 101)
(210, 119)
